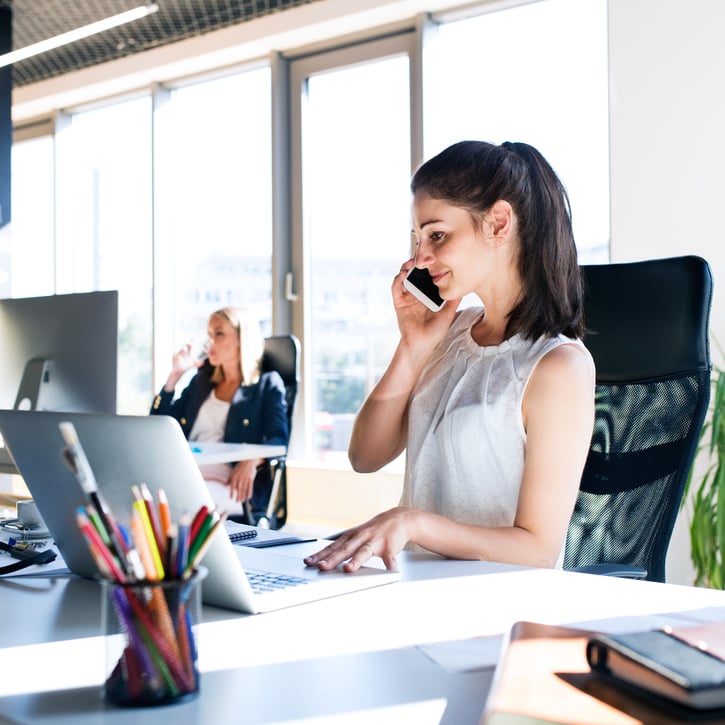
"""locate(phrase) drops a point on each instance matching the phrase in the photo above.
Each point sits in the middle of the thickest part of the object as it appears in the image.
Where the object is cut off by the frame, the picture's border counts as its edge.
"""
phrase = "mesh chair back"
(647, 329)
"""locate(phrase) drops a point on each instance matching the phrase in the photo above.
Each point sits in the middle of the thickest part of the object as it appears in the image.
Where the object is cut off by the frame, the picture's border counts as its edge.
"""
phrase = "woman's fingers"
(352, 553)
(329, 557)
(406, 266)
(384, 536)
(241, 480)
(363, 553)
(241, 488)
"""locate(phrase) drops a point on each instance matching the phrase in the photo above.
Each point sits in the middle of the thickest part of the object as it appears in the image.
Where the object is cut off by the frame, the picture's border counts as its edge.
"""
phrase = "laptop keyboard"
(270, 581)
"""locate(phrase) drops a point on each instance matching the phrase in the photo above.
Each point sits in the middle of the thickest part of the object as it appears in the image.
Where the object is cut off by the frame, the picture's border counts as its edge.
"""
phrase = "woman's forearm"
(171, 381)
(512, 544)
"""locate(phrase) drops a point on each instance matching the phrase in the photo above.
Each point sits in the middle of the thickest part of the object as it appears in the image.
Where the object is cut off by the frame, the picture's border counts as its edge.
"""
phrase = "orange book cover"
(543, 678)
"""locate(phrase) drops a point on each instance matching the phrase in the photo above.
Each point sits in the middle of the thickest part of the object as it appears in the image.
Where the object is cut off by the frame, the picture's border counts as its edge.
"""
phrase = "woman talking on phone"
(493, 404)
(230, 399)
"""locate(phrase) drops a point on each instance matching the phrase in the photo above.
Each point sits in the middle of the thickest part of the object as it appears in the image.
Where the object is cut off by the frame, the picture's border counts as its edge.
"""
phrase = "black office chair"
(647, 329)
(281, 353)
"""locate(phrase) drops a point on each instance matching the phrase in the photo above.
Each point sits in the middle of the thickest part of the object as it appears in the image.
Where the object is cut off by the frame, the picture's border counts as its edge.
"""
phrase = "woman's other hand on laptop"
(384, 535)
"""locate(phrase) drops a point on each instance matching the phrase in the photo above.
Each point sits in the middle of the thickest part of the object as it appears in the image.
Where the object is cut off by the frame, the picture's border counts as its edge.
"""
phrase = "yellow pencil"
(140, 506)
(142, 545)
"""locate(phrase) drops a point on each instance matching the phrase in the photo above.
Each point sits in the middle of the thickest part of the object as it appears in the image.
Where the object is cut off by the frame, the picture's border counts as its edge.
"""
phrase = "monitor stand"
(30, 393)
(35, 375)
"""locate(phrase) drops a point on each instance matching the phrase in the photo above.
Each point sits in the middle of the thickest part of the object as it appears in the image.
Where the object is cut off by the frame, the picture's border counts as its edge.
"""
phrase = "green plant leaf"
(707, 523)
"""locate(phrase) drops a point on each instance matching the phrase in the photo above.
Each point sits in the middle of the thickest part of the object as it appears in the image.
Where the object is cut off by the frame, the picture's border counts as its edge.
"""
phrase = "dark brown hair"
(474, 175)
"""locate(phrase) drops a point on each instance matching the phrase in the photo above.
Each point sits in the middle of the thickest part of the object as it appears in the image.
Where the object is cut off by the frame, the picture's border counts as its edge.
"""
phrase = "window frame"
(403, 42)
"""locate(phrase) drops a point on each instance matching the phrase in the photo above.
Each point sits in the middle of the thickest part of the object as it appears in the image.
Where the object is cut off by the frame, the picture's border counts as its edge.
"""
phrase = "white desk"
(395, 654)
(205, 452)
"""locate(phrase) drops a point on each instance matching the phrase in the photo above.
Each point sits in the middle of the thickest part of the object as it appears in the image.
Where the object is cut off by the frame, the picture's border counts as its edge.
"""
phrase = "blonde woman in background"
(230, 399)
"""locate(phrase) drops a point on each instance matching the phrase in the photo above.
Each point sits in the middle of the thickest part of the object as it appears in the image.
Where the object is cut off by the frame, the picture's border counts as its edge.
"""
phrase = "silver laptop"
(129, 450)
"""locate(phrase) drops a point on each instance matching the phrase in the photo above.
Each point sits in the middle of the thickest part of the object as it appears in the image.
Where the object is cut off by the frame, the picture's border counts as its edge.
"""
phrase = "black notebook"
(659, 663)
(258, 538)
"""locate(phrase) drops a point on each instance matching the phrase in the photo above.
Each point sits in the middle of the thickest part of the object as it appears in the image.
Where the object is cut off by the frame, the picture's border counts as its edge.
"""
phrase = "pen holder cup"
(151, 632)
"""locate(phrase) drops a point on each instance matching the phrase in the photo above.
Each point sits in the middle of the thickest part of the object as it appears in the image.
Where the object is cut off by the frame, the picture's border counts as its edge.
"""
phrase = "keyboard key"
(269, 581)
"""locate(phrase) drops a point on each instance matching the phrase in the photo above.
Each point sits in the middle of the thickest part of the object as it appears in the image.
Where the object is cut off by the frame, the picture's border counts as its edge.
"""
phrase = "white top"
(466, 437)
(209, 426)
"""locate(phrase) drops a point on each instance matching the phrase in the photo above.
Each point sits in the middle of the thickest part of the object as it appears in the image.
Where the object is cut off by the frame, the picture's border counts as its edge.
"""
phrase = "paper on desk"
(656, 620)
(464, 655)
(480, 653)
(221, 452)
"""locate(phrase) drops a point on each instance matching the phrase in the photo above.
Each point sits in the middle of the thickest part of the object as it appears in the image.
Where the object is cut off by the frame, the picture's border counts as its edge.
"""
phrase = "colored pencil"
(159, 535)
(164, 512)
(93, 538)
(202, 548)
(197, 521)
(142, 545)
(183, 543)
(197, 539)
(140, 506)
(78, 461)
(172, 545)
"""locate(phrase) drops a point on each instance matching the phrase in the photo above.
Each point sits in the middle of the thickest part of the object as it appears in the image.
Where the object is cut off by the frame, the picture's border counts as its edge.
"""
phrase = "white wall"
(667, 126)
(667, 116)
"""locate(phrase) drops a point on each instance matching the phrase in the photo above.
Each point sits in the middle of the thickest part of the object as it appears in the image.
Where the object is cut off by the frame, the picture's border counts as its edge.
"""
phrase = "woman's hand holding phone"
(421, 323)
(420, 284)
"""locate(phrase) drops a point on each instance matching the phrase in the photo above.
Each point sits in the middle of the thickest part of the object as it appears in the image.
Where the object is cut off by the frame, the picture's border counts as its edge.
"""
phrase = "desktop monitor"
(58, 353)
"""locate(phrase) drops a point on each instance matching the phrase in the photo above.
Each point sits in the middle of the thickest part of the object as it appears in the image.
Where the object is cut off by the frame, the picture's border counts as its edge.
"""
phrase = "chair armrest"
(621, 570)
(279, 467)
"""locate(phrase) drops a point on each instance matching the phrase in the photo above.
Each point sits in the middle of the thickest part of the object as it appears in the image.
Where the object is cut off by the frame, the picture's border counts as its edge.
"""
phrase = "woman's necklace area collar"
(507, 341)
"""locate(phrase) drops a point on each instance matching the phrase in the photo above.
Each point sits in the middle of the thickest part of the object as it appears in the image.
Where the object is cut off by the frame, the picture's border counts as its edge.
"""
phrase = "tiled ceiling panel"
(36, 20)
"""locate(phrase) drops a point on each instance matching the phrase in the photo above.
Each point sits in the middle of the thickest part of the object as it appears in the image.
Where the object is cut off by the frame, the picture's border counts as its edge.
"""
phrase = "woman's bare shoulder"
(566, 364)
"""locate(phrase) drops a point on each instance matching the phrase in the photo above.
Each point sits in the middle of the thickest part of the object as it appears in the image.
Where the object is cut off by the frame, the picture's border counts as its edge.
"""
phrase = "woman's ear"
(499, 219)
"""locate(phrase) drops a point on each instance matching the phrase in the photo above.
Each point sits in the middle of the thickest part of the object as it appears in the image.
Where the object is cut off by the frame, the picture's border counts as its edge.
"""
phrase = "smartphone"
(420, 284)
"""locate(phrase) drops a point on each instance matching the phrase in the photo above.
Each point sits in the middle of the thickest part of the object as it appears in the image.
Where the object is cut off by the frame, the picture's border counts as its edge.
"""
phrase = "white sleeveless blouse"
(466, 438)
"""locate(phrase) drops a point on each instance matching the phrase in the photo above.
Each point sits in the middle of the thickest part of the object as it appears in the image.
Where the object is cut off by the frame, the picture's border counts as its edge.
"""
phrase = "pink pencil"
(96, 543)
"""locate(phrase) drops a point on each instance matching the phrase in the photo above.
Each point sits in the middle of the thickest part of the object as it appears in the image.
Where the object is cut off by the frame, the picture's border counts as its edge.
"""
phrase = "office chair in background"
(281, 353)
(647, 329)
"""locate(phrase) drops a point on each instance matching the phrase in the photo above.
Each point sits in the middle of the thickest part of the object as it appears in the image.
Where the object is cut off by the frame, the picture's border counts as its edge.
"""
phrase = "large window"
(355, 150)
(32, 272)
(104, 227)
(214, 205)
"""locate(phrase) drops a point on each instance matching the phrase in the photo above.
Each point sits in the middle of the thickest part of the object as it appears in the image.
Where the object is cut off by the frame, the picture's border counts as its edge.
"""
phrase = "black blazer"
(257, 413)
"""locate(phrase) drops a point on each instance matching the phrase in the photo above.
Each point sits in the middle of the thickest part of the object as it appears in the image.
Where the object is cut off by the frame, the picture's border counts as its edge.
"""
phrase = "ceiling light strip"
(79, 33)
